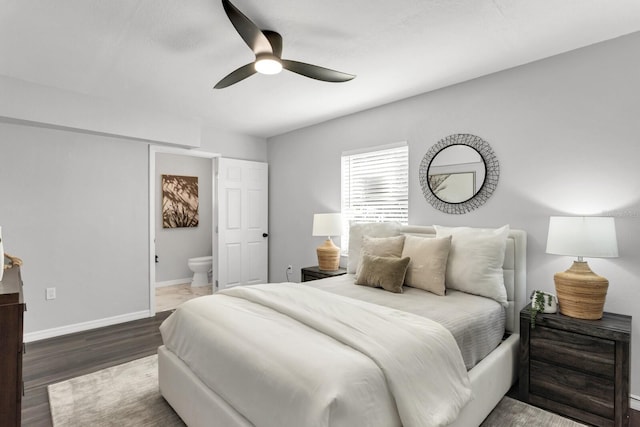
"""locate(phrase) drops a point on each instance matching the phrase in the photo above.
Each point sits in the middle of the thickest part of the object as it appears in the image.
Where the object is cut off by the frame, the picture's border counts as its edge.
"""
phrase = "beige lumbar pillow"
(382, 272)
(428, 262)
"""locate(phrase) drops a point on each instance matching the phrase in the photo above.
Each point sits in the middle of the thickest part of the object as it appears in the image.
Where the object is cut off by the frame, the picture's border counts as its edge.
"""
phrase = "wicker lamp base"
(328, 256)
(581, 292)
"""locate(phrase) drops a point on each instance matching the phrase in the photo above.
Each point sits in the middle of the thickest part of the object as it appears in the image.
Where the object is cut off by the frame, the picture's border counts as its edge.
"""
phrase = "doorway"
(176, 287)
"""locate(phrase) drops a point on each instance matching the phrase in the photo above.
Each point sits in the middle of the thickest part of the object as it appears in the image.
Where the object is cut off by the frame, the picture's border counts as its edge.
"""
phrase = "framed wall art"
(179, 201)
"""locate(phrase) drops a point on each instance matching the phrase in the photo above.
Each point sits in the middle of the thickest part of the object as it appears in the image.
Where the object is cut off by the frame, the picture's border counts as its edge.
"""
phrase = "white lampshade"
(592, 237)
(327, 224)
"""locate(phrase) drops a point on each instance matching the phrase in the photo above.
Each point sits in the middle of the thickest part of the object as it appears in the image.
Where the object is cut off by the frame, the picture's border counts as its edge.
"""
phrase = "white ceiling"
(167, 54)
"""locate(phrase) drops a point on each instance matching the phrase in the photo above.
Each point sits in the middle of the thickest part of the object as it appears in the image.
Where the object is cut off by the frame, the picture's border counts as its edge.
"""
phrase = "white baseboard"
(634, 402)
(85, 326)
(173, 282)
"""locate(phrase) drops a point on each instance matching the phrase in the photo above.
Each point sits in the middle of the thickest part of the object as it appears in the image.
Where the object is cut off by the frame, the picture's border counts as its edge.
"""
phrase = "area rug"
(124, 395)
(513, 413)
(127, 395)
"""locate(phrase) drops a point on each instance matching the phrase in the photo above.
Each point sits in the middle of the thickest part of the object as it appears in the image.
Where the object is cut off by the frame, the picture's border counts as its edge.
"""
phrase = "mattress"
(476, 323)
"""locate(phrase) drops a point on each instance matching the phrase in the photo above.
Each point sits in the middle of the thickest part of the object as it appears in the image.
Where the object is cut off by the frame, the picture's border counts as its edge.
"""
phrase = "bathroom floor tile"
(169, 297)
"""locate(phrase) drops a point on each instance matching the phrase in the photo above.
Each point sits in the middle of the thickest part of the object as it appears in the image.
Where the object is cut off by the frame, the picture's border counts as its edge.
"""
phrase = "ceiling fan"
(267, 47)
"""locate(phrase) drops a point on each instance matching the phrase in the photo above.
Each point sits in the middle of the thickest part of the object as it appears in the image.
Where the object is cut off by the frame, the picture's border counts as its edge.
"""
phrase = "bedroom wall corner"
(564, 129)
(233, 145)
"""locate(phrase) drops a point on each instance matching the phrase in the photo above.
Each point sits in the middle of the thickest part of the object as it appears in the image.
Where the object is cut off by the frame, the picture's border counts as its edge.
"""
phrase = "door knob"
(265, 234)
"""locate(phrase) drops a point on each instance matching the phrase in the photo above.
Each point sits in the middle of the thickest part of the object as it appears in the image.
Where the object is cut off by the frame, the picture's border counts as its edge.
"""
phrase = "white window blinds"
(375, 186)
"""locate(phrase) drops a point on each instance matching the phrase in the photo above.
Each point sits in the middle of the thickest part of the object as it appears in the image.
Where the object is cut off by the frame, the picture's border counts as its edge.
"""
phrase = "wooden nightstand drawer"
(576, 351)
(311, 275)
(572, 388)
(577, 368)
(314, 273)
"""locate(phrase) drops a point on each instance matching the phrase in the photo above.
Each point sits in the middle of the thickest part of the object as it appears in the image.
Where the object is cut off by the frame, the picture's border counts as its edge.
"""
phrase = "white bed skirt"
(199, 406)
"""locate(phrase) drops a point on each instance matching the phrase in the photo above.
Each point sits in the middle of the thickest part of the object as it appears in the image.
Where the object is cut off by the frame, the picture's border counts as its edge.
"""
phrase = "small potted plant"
(542, 302)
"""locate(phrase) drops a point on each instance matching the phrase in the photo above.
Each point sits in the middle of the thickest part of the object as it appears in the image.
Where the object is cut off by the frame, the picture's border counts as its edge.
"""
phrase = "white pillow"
(428, 262)
(476, 259)
(374, 229)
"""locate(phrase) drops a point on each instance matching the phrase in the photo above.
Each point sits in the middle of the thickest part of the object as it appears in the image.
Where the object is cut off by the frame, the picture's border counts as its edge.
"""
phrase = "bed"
(192, 364)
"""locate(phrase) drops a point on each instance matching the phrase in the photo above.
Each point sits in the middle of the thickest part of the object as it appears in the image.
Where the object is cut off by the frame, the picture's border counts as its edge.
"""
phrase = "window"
(375, 186)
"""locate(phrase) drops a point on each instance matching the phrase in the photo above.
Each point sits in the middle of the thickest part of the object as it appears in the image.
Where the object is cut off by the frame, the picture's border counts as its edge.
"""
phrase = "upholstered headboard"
(515, 270)
(514, 267)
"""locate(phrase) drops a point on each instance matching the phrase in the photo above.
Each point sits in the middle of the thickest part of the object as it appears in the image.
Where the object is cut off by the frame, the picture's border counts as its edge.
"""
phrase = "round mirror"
(456, 173)
(459, 173)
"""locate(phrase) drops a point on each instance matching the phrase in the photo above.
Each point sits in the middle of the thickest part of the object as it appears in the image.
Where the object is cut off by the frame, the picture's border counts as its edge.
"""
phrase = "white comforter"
(290, 355)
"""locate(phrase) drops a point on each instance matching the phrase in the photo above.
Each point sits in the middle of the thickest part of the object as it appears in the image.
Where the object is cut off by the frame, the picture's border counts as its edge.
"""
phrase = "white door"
(242, 222)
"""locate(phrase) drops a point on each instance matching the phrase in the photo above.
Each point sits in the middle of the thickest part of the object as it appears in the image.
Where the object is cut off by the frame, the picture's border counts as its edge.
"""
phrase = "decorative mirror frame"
(492, 168)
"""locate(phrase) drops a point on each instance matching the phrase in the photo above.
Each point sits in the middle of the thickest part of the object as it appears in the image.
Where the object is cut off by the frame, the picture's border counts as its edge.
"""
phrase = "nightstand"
(314, 273)
(577, 368)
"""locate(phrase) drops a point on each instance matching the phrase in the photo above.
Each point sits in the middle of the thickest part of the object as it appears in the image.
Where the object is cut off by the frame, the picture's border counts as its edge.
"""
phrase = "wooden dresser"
(11, 314)
(577, 368)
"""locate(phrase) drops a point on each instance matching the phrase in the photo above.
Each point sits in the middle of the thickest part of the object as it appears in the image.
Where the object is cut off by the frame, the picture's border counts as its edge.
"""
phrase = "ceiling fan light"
(268, 64)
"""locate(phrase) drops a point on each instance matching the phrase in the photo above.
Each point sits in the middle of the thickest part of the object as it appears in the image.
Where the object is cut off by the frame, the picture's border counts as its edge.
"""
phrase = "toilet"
(201, 267)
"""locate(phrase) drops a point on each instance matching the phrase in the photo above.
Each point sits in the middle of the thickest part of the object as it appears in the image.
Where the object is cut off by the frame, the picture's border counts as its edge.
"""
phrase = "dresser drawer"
(591, 393)
(587, 354)
(11, 333)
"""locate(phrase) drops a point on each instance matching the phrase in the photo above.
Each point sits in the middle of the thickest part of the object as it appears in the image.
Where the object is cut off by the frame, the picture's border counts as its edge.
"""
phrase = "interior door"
(242, 222)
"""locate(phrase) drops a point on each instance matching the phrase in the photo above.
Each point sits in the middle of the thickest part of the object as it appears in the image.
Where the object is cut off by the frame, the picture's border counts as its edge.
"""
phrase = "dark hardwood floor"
(57, 359)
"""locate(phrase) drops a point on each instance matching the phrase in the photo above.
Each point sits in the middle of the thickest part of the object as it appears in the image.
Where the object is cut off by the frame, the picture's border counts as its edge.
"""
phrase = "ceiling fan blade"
(276, 42)
(316, 72)
(236, 76)
(250, 33)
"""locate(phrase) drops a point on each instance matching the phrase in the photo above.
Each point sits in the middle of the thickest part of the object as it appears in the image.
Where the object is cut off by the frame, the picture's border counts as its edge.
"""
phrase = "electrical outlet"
(51, 293)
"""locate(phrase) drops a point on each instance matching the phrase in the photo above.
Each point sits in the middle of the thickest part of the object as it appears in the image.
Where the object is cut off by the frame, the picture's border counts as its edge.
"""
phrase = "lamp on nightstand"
(581, 293)
(328, 224)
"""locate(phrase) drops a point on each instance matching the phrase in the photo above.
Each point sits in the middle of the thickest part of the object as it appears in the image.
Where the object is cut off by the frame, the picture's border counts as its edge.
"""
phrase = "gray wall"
(174, 246)
(233, 145)
(75, 207)
(566, 133)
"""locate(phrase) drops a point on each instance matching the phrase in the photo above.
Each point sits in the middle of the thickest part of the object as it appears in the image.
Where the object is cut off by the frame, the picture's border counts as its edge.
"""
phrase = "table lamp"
(581, 293)
(328, 224)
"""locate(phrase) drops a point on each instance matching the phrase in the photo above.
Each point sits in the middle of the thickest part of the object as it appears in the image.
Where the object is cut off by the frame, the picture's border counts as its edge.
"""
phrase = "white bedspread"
(291, 355)
(477, 323)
